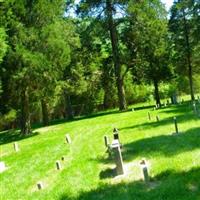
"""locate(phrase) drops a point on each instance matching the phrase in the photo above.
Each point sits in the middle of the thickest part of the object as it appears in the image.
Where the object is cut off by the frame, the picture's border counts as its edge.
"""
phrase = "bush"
(8, 120)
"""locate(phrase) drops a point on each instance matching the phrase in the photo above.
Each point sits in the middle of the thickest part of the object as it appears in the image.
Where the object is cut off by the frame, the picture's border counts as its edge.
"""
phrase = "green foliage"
(3, 44)
(7, 121)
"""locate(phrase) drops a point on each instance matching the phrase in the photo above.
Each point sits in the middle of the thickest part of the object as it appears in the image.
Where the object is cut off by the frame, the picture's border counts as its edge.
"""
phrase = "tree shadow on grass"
(163, 144)
(168, 185)
(107, 173)
(13, 136)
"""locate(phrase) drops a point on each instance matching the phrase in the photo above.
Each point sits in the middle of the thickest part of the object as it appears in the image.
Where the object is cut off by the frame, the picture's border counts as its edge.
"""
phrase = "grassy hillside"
(174, 160)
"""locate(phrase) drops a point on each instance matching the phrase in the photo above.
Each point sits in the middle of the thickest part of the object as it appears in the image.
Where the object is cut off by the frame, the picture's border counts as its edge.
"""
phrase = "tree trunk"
(116, 58)
(156, 92)
(69, 109)
(188, 57)
(25, 113)
(45, 114)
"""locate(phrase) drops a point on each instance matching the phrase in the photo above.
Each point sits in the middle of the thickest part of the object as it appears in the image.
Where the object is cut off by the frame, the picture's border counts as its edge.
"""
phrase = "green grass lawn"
(174, 160)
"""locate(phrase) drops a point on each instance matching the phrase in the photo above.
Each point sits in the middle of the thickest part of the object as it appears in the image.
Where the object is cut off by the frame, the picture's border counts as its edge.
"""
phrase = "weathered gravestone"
(68, 139)
(149, 116)
(40, 185)
(176, 125)
(106, 141)
(116, 134)
(144, 170)
(58, 165)
(16, 147)
(157, 118)
(115, 147)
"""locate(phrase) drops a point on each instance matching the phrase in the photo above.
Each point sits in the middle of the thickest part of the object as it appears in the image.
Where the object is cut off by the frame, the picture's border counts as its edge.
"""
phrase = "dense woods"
(60, 59)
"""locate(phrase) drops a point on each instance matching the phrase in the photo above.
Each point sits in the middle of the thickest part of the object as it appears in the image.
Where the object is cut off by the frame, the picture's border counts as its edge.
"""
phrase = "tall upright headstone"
(117, 157)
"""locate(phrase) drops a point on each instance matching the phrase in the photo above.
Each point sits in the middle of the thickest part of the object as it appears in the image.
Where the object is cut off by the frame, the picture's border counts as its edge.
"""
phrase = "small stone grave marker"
(63, 158)
(58, 165)
(116, 134)
(157, 118)
(68, 139)
(106, 140)
(176, 125)
(144, 167)
(149, 116)
(16, 146)
(115, 146)
(40, 185)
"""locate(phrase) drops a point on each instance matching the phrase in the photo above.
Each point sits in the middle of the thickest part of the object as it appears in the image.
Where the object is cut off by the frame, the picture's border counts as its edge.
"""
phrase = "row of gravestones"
(114, 150)
(158, 119)
(58, 163)
(115, 147)
(157, 106)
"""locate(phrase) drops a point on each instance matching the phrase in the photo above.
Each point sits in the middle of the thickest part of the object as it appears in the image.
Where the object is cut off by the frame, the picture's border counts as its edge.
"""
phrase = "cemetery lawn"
(174, 160)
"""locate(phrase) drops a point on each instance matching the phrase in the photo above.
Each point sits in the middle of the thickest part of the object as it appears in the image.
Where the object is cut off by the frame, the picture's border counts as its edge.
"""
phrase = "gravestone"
(115, 146)
(40, 185)
(106, 141)
(144, 170)
(176, 125)
(149, 116)
(116, 134)
(16, 147)
(68, 139)
(157, 118)
(63, 158)
(58, 165)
